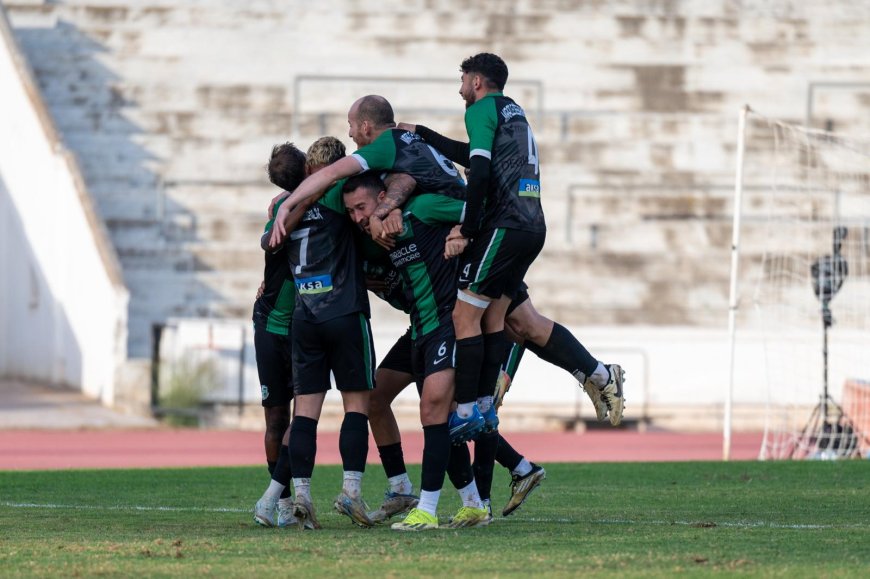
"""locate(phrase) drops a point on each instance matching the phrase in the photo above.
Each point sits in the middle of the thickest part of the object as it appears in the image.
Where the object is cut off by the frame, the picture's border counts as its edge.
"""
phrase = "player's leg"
(274, 370)
(473, 512)
(311, 382)
(553, 343)
(393, 375)
(352, 361)
(525, 476)
(435, 401)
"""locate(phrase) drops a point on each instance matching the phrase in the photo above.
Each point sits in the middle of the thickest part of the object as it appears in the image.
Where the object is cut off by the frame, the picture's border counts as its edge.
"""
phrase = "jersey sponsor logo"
(313, 214)
(408, 137)
(530, 188)
(264, 390)
(512, 110)
(404, 255)
(314, 285)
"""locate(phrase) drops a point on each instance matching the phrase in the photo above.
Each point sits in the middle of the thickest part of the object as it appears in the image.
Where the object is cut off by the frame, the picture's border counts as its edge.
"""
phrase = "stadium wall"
(63, 303)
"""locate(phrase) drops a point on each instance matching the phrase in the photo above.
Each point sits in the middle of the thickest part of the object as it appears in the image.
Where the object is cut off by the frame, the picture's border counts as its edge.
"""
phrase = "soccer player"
(506, 225)
(387, 149)
(330, 332)
(273, 309)
(424, 260)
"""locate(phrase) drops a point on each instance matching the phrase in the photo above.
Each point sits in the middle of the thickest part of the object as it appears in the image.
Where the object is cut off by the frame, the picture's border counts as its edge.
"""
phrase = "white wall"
(63, 304)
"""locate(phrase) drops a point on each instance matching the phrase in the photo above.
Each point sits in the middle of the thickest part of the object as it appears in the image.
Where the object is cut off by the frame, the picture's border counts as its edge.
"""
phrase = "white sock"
(302, 487)
(522, 469)
(580, 376)
(601, 376)
(484, 404)
(274, 491)
(401, 484)
(429, 501)
(352, 483)
(465, 409)
(470, 496)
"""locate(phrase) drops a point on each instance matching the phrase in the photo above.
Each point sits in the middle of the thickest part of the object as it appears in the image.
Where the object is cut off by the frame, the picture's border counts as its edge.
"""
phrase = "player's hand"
(453, 247)
(275, 200)
(455, 233)
(261, 289)
(388, 242)
(392, 224)
(407, 127)
(279, 229)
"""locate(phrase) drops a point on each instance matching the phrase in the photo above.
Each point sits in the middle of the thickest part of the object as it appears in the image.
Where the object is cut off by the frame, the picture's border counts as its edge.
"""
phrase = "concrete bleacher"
(171, 109)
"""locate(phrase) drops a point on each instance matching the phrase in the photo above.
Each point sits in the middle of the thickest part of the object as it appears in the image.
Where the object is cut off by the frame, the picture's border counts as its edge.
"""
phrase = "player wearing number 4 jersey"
(505, 186)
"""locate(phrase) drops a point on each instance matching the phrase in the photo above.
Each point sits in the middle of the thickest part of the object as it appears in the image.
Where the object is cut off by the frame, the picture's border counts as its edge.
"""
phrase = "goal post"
(799, 304)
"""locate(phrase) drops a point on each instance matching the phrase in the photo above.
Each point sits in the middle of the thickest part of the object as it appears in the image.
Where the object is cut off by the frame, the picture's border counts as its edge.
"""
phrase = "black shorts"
(434, 352)
(398, 358)
(274, 367)
(497, 261)
(342, 345)
(521, 296)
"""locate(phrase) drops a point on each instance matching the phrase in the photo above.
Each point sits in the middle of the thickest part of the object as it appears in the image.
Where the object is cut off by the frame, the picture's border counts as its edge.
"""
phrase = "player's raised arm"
(312, 187)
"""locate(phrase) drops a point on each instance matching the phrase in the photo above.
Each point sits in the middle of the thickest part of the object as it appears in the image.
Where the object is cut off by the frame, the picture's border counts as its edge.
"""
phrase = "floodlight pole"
(735, 260)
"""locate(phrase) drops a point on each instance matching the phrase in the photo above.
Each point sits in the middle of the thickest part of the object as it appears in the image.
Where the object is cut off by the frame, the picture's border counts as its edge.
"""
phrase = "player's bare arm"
(313, 187)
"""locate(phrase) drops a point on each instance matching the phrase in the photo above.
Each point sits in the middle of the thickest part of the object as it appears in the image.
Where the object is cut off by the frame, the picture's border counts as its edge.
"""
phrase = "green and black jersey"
(274, 309)
(429, 279)
(324, 262)
(377, 267)
(498, 130)
(397, 151)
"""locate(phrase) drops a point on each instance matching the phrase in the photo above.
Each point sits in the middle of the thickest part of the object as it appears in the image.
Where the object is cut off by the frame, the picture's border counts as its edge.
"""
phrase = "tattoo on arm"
(399, 188)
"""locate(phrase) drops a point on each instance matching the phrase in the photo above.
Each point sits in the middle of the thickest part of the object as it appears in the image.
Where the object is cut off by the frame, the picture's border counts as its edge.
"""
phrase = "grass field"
(794, 519)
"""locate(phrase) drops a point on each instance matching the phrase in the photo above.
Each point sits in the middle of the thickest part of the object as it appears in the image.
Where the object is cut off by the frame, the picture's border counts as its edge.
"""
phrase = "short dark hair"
(376, 110)
(286, 166)
(368, 180)
(489, 66)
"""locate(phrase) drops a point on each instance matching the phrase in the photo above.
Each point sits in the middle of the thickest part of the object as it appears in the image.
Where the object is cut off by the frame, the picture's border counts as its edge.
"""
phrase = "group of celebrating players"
(397, 218)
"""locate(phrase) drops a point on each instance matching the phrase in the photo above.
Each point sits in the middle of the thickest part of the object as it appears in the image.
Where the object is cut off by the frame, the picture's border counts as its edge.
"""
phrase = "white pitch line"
(727, 524)
(711, 524)
(122, 508)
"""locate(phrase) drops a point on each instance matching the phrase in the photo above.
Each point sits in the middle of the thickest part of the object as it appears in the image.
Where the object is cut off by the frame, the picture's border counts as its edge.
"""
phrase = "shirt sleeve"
(379, 155)
(481, 123)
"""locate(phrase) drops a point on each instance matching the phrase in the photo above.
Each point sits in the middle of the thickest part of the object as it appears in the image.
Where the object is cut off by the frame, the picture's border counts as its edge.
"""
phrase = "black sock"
(303, 446)
(271, 466)
(565, 351)
(393, 459)
(493, 353)
(459, 466)
(469, 358)
(353, 441)
(485, 447)
(506, 455)
(436, 455)
(282, 473)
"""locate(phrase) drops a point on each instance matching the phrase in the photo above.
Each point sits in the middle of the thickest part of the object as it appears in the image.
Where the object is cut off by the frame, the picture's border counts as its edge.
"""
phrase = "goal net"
(801, 324)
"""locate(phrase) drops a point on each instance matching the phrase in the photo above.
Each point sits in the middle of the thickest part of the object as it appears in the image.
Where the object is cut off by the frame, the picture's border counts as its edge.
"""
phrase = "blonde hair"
(324, 151)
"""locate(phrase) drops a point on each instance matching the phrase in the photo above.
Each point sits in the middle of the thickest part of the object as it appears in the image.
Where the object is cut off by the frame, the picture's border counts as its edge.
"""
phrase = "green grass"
(786, 519)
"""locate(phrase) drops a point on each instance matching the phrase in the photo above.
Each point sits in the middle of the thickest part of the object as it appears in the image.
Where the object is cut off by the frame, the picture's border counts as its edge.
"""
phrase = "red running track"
(54, 449)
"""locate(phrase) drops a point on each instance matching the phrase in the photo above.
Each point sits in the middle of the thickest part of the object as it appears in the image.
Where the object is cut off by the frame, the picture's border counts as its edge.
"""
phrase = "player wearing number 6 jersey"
(428, 271)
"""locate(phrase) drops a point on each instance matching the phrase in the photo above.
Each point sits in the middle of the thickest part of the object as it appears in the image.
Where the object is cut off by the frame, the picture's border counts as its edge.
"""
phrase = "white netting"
(804, 258)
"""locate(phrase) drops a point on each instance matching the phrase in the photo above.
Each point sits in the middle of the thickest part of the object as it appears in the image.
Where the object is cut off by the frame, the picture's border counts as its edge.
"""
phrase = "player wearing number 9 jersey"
(504, 220)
